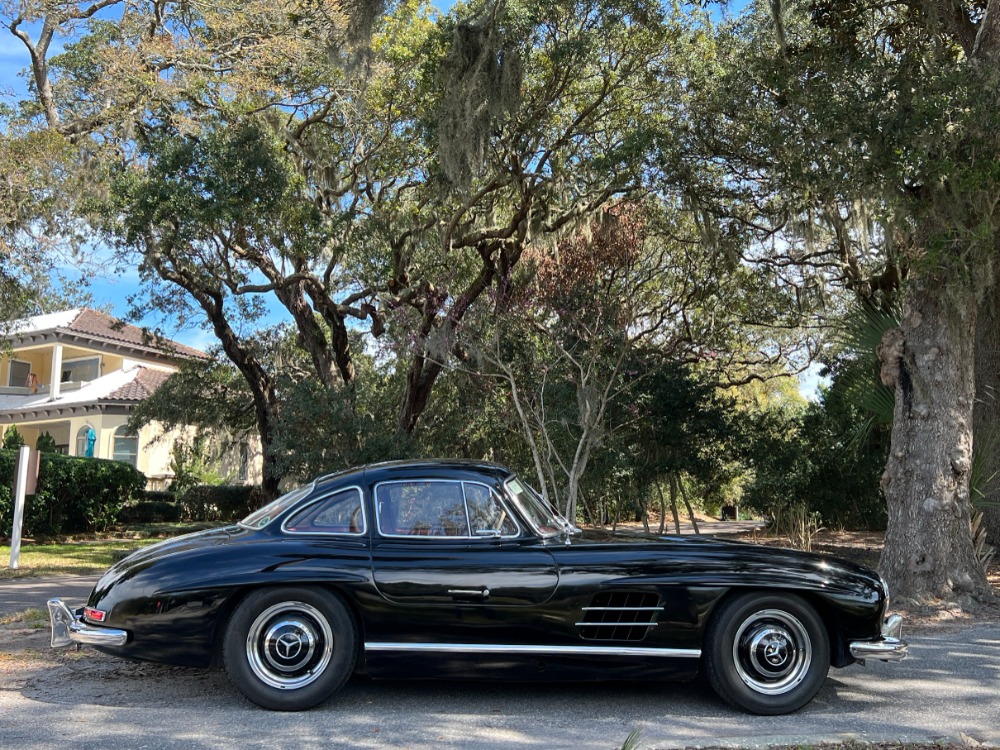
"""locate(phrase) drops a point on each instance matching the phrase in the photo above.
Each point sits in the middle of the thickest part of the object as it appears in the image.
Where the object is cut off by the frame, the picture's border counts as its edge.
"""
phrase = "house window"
(126, 446)
(18, 372)
(243, 473)
(85, 440)
(79, 370)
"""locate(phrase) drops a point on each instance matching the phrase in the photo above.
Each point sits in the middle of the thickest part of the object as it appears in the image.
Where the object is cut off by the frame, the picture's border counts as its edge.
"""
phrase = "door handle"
(477, 593)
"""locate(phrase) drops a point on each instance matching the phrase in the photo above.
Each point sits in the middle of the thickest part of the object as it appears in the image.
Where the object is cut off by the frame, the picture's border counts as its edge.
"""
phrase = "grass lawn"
(86, 556)
(68, 558)
(36, 619)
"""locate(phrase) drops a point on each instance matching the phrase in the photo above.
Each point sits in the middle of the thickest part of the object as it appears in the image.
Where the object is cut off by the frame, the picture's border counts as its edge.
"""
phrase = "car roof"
(429, 468)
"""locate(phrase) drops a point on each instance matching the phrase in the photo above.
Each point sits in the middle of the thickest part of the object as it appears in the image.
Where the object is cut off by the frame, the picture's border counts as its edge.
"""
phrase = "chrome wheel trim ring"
(289, 645)
(772, 652)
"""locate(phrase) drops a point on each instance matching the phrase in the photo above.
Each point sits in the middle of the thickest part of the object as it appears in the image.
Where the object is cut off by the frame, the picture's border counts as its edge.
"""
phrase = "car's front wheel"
(766, 654)
(290, 649)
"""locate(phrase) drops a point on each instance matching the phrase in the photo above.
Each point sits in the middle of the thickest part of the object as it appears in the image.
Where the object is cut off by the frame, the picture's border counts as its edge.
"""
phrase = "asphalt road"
(20, 594)
(949, 685)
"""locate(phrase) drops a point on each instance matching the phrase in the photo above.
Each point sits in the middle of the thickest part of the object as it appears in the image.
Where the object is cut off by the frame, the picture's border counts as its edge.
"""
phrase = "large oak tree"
(878, 123)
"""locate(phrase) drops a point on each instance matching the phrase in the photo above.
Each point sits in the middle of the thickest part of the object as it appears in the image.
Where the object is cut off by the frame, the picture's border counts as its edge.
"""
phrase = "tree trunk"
(673, 504)
(929, 361)
(420, 381)
(986, 411)
(687, 504)
(663, 507)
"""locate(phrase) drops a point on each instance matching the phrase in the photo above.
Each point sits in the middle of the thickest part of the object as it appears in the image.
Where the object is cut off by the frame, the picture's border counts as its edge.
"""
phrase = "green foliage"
(191, 465)
(46, 443)
(678, 424)
(210, 396)
(82, 494)
(7, 461)
(980, 479)
(814, 462)
(150, 511)
(12, 439)
(74, 494)
(219, 502)
(859, 335)
(318, 434)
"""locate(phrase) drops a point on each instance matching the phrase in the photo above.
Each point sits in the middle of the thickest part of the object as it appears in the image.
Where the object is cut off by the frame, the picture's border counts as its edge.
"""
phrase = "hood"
(695, 558)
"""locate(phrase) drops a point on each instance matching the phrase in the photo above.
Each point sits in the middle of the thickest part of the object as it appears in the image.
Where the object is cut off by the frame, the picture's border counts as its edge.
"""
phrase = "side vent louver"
(619, 616)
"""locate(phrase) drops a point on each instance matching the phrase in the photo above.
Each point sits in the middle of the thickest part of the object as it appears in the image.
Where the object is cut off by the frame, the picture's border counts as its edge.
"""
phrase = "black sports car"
(453, 569)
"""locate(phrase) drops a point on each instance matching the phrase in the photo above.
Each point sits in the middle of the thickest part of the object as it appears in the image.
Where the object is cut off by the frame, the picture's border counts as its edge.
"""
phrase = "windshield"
(261, 518)
(537, 511)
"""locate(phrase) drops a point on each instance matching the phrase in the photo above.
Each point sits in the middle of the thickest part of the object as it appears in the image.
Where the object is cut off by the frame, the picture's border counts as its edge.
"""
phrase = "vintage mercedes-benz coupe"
(459, 569)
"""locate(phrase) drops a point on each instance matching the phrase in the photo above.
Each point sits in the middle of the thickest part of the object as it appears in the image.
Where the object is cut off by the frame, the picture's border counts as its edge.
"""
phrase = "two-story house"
(78, 374)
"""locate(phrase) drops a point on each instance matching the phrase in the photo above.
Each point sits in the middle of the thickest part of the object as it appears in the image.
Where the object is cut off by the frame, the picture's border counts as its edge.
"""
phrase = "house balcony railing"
(20, 390)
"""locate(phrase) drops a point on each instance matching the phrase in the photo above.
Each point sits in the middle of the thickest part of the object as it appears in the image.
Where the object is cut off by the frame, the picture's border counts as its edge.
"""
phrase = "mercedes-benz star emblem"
(288, 645)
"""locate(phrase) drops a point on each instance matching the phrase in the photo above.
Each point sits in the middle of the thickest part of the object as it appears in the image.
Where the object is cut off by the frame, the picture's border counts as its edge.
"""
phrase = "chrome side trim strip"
(616, 624)
(622, 609)
(490, 648)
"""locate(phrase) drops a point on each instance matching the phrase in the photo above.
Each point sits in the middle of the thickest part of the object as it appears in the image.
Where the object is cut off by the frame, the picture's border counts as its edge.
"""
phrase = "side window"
(340, 513)
(486, 513)
(421, 509)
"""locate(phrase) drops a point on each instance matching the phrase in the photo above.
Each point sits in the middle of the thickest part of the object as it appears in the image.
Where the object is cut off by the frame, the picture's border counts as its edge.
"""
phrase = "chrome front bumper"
(890, 647)
(67, 628)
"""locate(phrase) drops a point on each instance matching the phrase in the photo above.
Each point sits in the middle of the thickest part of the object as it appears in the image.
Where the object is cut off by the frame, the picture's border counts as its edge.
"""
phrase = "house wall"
(230, 460)
(60, 432)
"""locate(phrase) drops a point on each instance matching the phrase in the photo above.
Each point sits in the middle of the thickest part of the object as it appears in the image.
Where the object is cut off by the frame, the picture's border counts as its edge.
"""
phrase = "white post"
(20, 490)
(55, 377)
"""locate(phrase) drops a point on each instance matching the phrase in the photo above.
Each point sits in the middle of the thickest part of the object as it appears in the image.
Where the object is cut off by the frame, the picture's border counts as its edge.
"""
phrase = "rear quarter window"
(340, 513)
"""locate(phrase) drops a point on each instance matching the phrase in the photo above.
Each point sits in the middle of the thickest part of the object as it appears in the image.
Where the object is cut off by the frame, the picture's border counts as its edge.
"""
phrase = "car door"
(451, 561)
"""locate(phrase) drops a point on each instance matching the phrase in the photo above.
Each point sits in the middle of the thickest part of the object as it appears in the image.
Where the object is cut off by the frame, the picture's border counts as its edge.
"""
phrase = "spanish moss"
(481, 78)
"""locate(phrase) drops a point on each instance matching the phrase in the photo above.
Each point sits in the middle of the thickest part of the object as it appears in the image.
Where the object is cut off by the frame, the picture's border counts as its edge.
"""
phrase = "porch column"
(56, 375)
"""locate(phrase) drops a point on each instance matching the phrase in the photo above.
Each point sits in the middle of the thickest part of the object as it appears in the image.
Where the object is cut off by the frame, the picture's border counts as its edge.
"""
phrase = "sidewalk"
(20, 594)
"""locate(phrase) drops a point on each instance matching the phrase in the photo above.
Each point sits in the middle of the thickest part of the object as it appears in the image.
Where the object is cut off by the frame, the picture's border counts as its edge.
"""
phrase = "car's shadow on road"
(99, 680)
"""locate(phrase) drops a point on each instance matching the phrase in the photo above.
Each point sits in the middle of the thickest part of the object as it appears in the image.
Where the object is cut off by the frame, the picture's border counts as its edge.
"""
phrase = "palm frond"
(987, 442)
(632, 741)
(862, 330)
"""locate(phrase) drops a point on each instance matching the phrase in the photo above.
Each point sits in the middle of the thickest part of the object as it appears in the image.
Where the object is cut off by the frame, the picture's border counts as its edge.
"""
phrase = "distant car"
(459, 569)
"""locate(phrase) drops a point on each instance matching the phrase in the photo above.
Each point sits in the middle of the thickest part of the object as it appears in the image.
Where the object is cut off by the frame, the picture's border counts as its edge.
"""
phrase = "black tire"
(290, 649)
(766, 654)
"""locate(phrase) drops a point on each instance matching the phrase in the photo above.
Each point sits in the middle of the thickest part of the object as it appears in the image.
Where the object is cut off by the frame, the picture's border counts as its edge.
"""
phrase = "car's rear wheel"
(289, 649)
(766, 654)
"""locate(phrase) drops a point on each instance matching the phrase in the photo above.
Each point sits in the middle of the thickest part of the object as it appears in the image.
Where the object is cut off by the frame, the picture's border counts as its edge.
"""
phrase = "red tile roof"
(142, 387)
(100, 325)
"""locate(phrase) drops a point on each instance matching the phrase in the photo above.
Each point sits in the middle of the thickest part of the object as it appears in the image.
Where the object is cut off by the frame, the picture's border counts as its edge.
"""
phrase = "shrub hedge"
(220, 502)
(150, 511)
(74, 494)
(7, 459)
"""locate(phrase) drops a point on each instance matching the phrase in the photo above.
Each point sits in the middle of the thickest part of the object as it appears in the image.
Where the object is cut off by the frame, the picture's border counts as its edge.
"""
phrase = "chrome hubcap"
(772, 652)
(289, 645)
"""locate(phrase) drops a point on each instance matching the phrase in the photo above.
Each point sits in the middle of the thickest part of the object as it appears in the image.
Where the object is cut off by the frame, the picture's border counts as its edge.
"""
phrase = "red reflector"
(94, 615)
